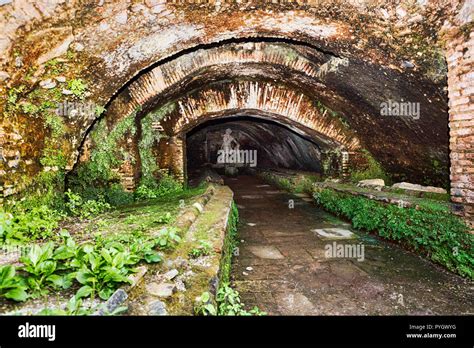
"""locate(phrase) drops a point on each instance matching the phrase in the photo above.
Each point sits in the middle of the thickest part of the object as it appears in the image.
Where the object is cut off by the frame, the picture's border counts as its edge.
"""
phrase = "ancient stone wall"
(460, 57)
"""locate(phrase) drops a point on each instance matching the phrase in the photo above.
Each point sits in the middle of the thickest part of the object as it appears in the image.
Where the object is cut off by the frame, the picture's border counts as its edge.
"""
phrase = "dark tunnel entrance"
(243, 144)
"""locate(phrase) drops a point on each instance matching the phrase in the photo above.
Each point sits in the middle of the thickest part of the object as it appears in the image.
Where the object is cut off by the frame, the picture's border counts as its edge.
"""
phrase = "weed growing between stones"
(227, 300)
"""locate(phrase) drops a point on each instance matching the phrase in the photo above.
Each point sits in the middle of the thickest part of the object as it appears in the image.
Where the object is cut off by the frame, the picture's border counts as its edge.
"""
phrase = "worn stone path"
(282, 267)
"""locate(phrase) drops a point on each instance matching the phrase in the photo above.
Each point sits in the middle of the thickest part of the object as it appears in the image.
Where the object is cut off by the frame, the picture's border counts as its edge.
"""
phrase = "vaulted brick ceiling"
(342, 58)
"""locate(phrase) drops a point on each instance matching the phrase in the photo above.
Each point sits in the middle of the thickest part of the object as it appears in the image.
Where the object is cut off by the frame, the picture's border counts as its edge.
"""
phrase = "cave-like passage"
(246, 144)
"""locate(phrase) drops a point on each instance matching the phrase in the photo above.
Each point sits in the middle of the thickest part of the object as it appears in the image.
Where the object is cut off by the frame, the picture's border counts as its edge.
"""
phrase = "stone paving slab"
(292, 274)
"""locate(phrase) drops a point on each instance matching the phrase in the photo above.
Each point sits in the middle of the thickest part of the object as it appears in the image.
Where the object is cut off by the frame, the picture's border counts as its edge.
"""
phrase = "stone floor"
(282, 266)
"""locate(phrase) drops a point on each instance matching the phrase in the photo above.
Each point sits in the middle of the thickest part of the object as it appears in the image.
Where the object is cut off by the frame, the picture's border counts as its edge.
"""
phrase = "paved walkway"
(283, 269)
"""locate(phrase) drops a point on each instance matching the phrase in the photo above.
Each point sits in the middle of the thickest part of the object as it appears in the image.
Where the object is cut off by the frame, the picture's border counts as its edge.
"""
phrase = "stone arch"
(176, 72)
(269, 100)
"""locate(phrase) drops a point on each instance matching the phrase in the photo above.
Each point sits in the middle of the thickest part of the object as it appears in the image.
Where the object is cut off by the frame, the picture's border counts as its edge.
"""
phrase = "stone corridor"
(281, 265)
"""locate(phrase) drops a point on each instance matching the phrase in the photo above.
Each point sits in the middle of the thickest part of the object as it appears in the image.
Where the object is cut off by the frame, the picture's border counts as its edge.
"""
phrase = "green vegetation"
(227, 302)
(77, 87)
(230, 244)
(149, 137)
(98, 267)
(96, 259)
(373, 170)
(84, 209)
(101, 269)
(153, 183)
(203, 249)
(12, 286)
(430, 230)
(73, 307)
(105, 156)
(41, 265)
(37, 222)
(168, 238)
(296, 184)
(165, 186)
(54, 67)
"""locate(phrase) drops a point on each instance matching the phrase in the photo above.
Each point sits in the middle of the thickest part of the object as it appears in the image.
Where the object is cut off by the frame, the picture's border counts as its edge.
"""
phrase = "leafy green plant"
(205, 305)
(116, 196)
(84, 209)
(101, 271)
(29, 108)
(166, 186)
(145, 250)
(168, 238)
(77, 87)
(56, 124)
(11, 285)
(227, 302)
(41, 266)
(12, 96)
(9, 234)
(99, 109)
(73, 307)
(97, 174)
(92, 208)
(203, 249)
(36, 222)
(164, 219)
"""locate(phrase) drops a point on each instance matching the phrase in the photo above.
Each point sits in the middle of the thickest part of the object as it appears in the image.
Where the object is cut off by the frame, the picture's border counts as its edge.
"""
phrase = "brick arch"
(261, 99)
(170, 83)
(177, 72)
(270, 101)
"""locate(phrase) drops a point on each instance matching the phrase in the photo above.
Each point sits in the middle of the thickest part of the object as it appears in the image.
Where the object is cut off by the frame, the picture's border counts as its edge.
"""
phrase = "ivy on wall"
(96, 178)
(145, 146)
(149, 137)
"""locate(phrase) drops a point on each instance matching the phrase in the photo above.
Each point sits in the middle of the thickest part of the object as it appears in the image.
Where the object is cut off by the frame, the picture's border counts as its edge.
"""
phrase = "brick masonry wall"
(460, 58)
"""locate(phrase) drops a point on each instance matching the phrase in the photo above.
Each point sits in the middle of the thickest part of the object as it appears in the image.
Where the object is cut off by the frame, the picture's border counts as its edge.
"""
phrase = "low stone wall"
(172, 287)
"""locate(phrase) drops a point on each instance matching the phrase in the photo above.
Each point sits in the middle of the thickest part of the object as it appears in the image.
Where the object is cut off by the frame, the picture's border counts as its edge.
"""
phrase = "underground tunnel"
(263, 145)
(226, 146)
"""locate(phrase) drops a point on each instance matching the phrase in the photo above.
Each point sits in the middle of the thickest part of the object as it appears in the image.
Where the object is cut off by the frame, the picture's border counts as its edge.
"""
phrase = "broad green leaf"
(17, 294)
(85, 291)
(106, 293)
(152, 257)
(6, 272)
(88, 248)
(84, 277)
